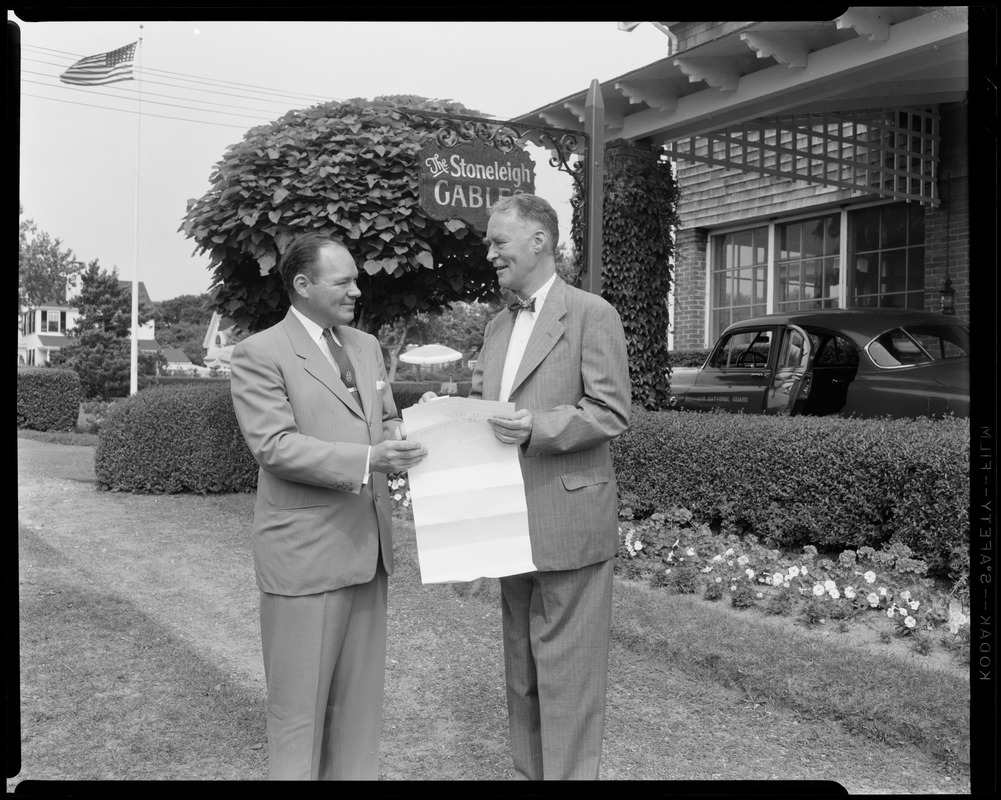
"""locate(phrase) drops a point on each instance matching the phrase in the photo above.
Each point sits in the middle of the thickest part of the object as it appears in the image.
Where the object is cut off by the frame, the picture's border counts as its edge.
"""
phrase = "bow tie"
(518, 305)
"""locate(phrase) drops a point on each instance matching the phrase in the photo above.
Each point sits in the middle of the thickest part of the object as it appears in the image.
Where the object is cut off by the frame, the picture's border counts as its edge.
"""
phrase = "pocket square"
(380, 385)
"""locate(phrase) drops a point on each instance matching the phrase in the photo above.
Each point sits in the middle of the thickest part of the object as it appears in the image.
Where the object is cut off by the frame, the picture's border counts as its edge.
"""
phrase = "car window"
(919, 344)
(940, 341)
(792, 353)
(743, 349)
(833, 350)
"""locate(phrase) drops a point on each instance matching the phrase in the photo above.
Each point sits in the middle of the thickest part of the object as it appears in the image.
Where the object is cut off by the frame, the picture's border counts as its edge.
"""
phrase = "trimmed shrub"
(831, 482)
(48, 399)
(175, 439)
(687, 358)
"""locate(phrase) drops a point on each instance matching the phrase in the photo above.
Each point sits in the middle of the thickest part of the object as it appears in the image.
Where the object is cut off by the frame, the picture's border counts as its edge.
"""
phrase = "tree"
(101, 349)
(351, 169)
(639, 218)
(43, 266)
(182, 322)
(105, 303)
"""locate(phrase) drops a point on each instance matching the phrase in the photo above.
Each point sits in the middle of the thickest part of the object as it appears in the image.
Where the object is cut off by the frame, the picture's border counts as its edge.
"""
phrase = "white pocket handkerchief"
(380, 385)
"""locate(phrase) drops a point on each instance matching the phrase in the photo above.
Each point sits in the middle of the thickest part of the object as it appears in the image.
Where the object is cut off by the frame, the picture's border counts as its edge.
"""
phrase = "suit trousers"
(556, 637)
(325, 667)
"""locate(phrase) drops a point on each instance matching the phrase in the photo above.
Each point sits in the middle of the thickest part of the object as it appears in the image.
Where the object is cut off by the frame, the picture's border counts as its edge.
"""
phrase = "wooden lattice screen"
(891, 152)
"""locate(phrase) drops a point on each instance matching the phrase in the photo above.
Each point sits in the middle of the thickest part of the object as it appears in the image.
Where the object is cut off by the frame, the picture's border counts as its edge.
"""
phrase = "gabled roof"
(175, 355)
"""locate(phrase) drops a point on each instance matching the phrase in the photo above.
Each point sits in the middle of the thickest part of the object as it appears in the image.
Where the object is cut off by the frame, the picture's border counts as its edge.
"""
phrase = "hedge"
(687, 358)
(831, 482)
(175, 439)
(48, 399)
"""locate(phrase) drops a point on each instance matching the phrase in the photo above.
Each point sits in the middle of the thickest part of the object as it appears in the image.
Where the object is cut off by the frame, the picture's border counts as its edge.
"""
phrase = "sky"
(204, 84)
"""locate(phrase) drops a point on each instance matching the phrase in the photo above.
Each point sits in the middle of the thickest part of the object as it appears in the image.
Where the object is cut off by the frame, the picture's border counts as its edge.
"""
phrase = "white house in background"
(220, 338)
(42, 328)
(177, 359)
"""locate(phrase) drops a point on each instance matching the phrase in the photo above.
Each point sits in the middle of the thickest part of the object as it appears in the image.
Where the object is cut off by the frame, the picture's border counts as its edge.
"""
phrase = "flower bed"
(672, 550)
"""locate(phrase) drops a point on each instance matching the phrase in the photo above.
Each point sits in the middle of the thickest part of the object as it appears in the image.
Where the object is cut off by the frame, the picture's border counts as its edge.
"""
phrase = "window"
(888, 256)
(743, 349)
(919, 344)
(51, 321)
(808, 269)
(739, 278)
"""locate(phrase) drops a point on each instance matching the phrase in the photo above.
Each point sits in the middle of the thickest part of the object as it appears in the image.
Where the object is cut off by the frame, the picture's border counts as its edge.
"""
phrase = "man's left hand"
(516, 429)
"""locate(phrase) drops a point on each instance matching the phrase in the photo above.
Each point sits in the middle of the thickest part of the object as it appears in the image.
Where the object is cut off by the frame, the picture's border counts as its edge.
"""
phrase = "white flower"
(690, 551)
(638, 545)
(397, 496)
(829, 584)
(905, 595)
(707, 569)
(873, 599)
(759, 595)
(850, 592)
(882, 591)
(903, 611)
(667, 571)
(834, 593)
(719, 579)
(785, 584)
(743, 560)
(793, 572)
(717, 557)
(778, 579)
(733, 587)
(749, 573)
(910, 622)
(914, 604)
(890, 610)
(870, 577)
(802, 571)
(818, 589)
(729, 551)
(957, 619)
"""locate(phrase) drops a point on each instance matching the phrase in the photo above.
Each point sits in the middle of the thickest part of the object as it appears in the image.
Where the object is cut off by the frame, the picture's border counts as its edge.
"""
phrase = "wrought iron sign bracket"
(453, 129)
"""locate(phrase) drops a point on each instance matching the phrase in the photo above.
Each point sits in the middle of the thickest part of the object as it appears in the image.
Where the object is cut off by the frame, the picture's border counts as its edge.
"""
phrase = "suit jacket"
(316, 527)
(574, 378)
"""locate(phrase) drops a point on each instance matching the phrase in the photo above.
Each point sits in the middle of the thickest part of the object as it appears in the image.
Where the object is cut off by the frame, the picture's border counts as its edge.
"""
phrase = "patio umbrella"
(430, 354)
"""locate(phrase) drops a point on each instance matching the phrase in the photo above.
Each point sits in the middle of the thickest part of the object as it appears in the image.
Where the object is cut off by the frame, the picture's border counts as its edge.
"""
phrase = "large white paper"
(468, 495)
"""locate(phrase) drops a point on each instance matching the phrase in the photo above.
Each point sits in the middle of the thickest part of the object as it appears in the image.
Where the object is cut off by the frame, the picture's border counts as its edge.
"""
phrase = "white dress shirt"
(523, 325)
(316, 334)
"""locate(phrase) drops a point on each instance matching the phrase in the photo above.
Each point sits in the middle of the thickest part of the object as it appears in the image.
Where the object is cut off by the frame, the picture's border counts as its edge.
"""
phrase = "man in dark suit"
(562, 360)
(317, 411)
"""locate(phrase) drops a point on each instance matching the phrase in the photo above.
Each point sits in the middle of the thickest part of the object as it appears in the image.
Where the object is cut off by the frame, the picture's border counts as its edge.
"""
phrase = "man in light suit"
(563, 362)
(325, 430)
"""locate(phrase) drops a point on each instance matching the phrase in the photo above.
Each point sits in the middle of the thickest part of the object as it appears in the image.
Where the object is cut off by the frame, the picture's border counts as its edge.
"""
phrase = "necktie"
(342, 361)
(518, 305)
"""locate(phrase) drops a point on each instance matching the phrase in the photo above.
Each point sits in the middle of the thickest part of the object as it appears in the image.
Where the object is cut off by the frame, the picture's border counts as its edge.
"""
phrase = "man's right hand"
(396, 455)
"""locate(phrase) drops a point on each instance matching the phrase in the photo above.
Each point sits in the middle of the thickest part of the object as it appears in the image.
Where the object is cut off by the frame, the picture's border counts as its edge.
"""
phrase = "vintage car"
(852, 362)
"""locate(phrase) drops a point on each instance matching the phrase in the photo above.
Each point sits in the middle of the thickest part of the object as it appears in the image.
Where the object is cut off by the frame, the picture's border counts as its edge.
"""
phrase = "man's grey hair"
(533, 209)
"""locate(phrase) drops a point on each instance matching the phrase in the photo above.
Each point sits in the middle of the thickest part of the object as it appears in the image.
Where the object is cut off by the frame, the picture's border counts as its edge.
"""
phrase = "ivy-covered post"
(640, 202)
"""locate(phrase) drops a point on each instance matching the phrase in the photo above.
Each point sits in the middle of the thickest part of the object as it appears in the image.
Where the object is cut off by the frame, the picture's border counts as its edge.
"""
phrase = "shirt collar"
(540, 295)
(315, 331)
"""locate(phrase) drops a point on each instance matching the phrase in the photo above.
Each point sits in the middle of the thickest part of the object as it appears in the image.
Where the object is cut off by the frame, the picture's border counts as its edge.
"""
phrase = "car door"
(736, 375)
(792, 379)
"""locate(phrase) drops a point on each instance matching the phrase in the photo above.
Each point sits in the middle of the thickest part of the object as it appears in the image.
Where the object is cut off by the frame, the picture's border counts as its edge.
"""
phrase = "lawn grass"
(116, 696)
(879, 696)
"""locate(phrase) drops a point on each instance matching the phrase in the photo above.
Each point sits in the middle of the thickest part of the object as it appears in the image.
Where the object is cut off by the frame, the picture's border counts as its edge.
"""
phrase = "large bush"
(175, 439)
(47, 399)
(830, 482)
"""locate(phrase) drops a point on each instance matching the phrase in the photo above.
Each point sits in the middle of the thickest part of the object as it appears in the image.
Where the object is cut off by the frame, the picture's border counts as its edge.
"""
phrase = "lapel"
(316, 364)
(546, 332)
(493, 355)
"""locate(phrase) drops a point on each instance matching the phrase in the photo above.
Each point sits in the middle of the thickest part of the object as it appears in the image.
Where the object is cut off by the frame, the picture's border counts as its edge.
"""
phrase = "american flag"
(104, 68)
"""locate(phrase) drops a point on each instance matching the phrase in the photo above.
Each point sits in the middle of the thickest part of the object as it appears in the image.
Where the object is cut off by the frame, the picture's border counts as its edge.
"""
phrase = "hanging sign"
(466, 181)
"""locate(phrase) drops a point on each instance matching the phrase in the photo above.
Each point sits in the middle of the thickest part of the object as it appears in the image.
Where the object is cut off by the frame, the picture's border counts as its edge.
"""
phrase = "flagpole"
(134, 381)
